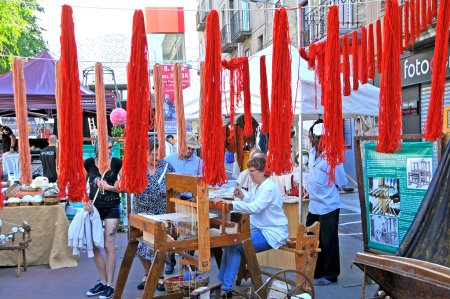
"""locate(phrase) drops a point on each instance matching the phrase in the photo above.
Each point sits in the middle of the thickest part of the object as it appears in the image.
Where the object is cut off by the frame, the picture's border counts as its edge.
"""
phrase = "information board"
(395, 187)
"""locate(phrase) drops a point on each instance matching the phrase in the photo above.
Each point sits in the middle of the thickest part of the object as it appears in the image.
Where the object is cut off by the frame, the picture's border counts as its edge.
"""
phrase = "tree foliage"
(20, 34)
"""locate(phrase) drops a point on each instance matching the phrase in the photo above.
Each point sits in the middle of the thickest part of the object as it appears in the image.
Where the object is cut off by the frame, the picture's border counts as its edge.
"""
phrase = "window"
(260, 42)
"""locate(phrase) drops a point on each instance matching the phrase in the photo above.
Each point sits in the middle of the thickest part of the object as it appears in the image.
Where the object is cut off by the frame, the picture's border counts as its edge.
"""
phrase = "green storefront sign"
(395, 187)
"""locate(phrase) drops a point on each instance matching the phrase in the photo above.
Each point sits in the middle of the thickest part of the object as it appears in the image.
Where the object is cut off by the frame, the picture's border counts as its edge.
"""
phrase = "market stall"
(49, 226)
(39, 74)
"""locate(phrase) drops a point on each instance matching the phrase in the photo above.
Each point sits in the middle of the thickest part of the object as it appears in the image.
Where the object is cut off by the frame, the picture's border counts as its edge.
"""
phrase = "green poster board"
(396, 184)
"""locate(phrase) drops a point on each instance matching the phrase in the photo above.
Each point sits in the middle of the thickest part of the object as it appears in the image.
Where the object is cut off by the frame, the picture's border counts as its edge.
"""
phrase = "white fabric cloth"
(323, 198)
(85, 232)
(266, 213)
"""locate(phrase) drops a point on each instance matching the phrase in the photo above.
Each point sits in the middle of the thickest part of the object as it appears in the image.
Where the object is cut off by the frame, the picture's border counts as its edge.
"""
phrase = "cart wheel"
(287, 284)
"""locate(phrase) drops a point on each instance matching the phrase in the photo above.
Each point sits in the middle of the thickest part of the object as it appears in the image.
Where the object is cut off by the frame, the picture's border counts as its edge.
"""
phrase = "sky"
(96, 20)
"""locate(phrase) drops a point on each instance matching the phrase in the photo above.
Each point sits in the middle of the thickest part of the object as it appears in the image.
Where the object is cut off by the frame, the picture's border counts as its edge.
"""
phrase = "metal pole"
(300, 122)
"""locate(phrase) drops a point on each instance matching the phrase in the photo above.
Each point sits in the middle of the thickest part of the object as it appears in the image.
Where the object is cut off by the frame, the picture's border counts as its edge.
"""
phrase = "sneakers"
(98, 289)
(107, 293)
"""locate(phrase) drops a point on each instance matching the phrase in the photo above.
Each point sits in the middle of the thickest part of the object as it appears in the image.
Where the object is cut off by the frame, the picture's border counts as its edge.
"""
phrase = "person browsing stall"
(152, 201)
(48, 159)
(187, 163)
(108, 205)
(268, 223)
(171, 145)
(324, 205)
(190, 164)
(9, 140)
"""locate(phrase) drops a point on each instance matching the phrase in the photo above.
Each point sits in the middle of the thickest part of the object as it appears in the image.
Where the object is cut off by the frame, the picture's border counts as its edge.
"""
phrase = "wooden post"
(127, 261)
(204, 242)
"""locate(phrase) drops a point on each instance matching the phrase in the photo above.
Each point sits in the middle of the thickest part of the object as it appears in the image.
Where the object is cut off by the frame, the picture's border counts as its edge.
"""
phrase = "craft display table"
(49, 226)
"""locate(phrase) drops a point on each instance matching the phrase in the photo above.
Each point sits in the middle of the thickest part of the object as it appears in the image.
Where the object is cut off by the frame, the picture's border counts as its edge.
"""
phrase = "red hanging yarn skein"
(265, 112)
(134, 169)
(346, 58)
(102, 128)
(20, 103)
(281, 117)
(433, 126)
(424, 18)
(417, 19)
(406, 37)
(159, 111)
(412, 21)
(332, 141)
(179, 109)
(364, 70)
(201, 103)
(379, 46)
(390, 114)
(355, 60)
(71, 178)
(370, 54)
(213, 142)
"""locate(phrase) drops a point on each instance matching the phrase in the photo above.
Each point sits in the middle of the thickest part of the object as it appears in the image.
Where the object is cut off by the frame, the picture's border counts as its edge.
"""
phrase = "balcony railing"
(201, 15)
(227, 45)
(201, 24)
(315, 24)
(240, 25)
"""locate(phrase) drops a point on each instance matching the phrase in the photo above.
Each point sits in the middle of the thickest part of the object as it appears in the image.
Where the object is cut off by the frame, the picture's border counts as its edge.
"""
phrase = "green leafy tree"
(20, 34)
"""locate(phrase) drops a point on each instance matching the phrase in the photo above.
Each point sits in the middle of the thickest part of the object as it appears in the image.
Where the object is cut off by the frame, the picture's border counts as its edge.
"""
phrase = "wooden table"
(49, 227)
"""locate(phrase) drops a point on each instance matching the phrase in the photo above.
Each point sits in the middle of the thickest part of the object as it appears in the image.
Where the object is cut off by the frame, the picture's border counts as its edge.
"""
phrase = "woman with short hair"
(268, 223)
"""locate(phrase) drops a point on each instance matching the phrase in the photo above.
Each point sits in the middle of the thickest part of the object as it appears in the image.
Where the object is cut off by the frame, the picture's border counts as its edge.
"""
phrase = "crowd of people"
(256, 194)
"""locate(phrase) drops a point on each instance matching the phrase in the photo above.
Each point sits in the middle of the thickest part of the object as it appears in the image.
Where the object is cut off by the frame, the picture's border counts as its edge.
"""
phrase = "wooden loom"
(154, 233)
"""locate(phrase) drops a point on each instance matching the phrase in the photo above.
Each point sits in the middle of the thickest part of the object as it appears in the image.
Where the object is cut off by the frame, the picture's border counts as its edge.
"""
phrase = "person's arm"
(13, 143)
(260, 202)
(341, 178)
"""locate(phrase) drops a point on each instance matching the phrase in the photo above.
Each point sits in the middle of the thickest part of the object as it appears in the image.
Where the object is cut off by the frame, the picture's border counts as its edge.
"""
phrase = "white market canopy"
(361, 102)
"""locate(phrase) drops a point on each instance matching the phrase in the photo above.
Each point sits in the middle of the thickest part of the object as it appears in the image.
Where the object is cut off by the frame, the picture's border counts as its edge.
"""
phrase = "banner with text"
(395, 187)
(169, 88)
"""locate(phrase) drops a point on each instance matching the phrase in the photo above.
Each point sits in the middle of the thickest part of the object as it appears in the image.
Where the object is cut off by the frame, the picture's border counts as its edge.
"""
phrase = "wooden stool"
(20, 247)
(305, 247)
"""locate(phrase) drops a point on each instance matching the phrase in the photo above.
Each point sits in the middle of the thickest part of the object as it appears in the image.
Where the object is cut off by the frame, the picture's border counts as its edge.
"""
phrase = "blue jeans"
(231, 259)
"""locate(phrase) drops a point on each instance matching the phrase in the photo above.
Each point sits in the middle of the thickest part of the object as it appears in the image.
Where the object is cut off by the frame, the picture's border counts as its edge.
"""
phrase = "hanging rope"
(433, 126)
(20, 104)
(417, 19)
(179, 108)
(265, 112)
(134, 170)
(159, 111)
(213, 143)
(71, 178)
(332, 141)
(390, 114)
(279, 156)
(364, 78)
(103, 153)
